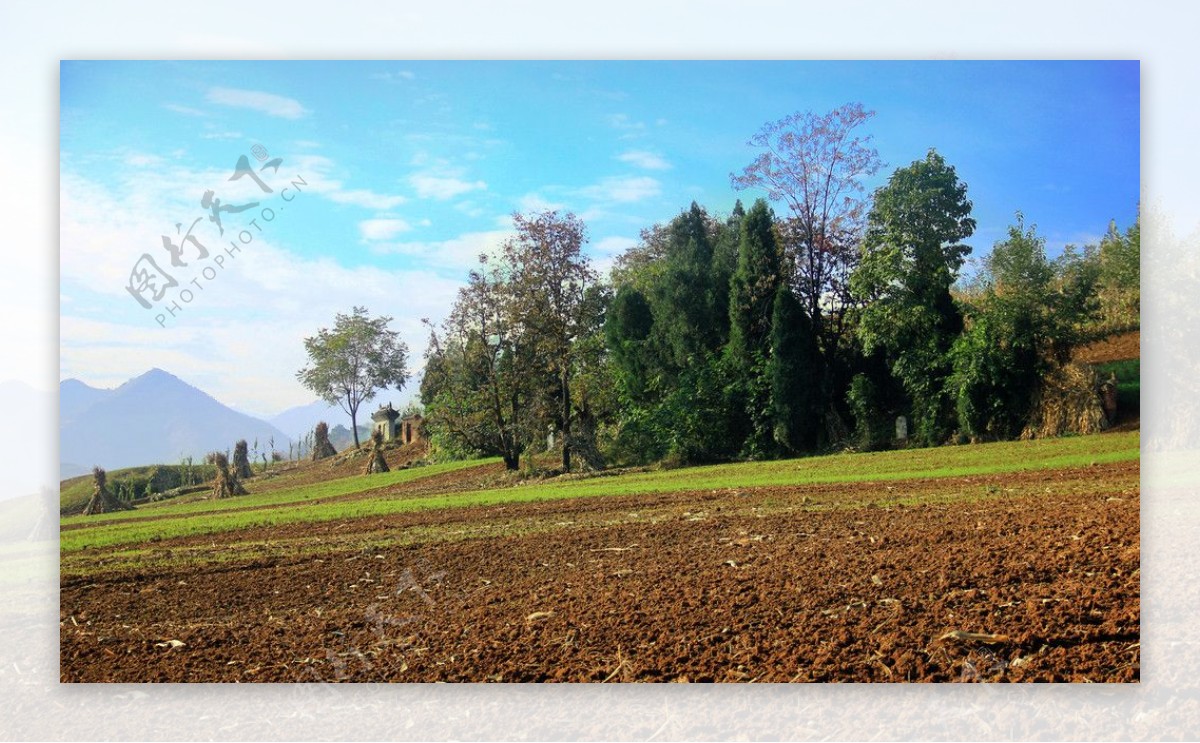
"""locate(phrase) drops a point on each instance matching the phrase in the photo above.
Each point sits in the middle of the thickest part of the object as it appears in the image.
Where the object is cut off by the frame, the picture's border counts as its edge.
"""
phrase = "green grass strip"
(315, 491)
(960, 461)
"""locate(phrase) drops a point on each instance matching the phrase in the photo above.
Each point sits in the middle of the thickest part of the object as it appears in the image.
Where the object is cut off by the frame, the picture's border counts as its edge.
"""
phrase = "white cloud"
(624, 123)
(251, 318)
(221, 135)
(443, 188)
(532, 202)
(365, 198)
(323, 183)
(623, 189)
(396, 76)
(604, 252)
(470, 208)
(644, 159)
(143, 160)
(382, 229)
(185, 110)
(613, 245)
(461, 252)
(267, 103)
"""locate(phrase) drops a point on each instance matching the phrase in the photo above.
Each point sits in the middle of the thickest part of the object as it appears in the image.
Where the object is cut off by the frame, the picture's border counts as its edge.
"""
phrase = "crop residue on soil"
(767, 585)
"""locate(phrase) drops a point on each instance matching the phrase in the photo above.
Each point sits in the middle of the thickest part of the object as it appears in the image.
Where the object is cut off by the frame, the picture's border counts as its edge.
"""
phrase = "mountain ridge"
(153, 418)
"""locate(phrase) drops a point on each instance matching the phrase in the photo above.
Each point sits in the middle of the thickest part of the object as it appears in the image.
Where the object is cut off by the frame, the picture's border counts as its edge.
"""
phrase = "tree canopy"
(911, 255)
(352, 361)
(753, 334)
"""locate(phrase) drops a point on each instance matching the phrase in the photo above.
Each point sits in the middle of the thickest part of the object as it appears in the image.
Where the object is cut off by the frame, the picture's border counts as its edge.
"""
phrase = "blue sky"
(410, 169)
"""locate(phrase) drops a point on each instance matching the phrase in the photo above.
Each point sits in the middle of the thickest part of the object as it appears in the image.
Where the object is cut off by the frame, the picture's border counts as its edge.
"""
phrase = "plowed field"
(1022, 576)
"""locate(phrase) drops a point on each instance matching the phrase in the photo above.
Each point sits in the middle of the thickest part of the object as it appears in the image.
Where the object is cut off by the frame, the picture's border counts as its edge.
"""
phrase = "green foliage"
(911, 256)
(350, 363)
(135, 482)
(500, 372)
(479, 374)
(685, 296)
(794, 371)
(697, 418)
(1023, 323)
(751, 301)
(1119, 257)
(664, 333)
(548, 276)
(994, 389)
(627, 335)
(872, 423)
(752, 288)
(1076, 280)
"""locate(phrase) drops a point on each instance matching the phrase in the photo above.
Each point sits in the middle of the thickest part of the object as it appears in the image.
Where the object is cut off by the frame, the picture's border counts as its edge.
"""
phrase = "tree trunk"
(566, 421)
(354, 425)
(512, 446)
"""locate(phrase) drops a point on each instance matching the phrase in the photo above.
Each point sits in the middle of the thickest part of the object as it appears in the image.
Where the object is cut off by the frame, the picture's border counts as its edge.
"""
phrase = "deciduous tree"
(549, 275)
(911, 255)
(352, 361)
(815, 164)
(480, 372)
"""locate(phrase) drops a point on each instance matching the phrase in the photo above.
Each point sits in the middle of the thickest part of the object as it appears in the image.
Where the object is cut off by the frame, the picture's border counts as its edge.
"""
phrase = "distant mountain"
(154, 418)
(74, 397)
(342, 439)
(300, 420)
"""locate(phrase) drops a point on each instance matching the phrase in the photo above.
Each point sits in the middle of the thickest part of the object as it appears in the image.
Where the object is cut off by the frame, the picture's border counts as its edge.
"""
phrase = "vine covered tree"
(352, 361)
(1022, 323)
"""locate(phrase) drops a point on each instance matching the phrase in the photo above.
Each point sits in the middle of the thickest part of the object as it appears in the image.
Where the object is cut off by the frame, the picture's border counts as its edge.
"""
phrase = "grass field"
(335, 499)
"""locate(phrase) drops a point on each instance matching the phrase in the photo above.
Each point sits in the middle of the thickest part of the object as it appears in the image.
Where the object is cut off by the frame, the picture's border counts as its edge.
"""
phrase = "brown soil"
(770, 584)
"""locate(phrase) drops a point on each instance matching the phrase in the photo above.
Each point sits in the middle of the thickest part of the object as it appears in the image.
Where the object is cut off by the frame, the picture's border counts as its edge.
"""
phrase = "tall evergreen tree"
(752, 288)
(665, 330)
(627, 327)
(687, 326)
(751, 300)
(795, 375)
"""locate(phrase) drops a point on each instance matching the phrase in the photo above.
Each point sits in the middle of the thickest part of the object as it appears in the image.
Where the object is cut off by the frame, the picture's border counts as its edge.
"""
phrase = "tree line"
(757, 335)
